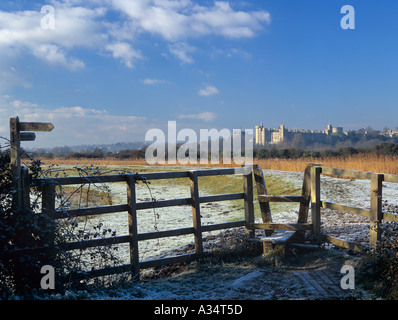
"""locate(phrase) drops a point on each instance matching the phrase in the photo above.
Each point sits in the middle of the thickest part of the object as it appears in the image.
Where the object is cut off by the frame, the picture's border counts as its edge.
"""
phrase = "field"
(240, 279)
(362, 162)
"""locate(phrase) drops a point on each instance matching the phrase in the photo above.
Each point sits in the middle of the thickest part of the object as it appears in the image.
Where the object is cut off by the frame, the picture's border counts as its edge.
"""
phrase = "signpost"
(17, 134)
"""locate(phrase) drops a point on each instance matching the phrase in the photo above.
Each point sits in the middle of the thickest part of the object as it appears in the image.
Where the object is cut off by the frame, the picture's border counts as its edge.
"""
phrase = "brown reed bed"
(362, 162)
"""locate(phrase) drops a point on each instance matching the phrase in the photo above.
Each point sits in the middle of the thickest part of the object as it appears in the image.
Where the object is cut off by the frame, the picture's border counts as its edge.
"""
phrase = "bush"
(19, 229)
(29, 239)
(379, 269)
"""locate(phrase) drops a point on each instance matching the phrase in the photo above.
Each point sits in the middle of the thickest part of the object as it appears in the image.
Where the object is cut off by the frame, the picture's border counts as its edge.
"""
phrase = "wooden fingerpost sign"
(18, 133)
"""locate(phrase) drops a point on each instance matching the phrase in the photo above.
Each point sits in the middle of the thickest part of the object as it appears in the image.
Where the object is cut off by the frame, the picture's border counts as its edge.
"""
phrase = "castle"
(267, 136)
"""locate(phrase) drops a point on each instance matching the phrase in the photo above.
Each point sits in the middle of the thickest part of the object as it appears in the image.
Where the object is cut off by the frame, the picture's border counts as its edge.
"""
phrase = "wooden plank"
(81, 212)
(344, 208)
(84, 179)
(224, 225)
(278, 238)
(163, 234)
(163, 203)
(248, 203)
(222, 197)
(48, 200)
(48, 209)
(15, 160)
(35, 126)
(345, 244)
(376, 214)
(305, 203)
(133, 230)
(315, 199)
(220, 172)
(390, 178)
(162, 175)
(168, 260)
(27, 136)
(93, 243)
(352, 174)
(25, 196)
(197, 225)
(390, 216)
(285, 198)
(262, 191)
(138, 176)
(282, 226)
(306, 194)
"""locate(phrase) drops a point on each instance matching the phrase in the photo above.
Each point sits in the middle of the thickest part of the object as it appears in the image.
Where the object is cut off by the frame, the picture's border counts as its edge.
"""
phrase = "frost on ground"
(233, 273)
(230, 274)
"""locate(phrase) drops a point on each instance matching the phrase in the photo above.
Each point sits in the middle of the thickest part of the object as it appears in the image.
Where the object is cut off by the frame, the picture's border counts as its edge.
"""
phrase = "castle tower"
(282, 131)
(260, 137)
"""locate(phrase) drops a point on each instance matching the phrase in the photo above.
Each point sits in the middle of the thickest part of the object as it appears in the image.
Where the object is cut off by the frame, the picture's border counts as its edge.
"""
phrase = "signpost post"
(18, 133)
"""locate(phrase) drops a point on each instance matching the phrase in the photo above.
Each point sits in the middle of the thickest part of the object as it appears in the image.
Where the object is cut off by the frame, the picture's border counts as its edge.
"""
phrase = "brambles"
(29, 239)
(379, 268)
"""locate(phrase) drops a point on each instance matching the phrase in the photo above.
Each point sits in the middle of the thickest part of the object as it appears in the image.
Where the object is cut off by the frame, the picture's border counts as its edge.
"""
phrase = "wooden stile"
(261, 193)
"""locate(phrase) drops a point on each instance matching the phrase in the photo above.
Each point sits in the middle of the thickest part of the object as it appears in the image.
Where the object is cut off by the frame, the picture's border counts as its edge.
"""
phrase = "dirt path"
(235, 273)
(310, 277)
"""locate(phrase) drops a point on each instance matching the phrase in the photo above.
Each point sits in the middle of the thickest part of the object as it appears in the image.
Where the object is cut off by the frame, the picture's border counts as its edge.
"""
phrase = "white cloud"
(74, 124)
(85, 24)
(208, 91)
(205, 116)
(124, 52)
(181, 19)
(181, 50)
(55, 55)
(149, 81)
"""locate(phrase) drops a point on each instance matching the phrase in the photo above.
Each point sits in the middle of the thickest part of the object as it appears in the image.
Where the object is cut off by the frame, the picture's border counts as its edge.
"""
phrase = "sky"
(108, 71)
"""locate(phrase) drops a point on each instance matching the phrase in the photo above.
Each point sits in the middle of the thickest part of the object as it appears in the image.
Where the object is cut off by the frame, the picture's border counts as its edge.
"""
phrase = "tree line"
(385, 148)
(388, 149)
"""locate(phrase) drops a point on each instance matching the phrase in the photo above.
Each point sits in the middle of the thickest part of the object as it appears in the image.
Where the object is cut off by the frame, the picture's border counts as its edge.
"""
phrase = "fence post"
(376, 214)
(248, 201)
(48, 208)
(15, 160)
(316, 200)
(197, 224)
(133, 229)
(25, 188)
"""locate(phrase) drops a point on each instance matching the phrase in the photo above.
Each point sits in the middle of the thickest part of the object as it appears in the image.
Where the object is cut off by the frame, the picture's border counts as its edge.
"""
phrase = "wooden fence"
(310, 198)
(375, 213)
(48, 186)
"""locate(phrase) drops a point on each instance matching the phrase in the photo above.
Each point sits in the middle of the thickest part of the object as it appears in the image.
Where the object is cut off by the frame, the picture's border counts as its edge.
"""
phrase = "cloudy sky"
(107, 71)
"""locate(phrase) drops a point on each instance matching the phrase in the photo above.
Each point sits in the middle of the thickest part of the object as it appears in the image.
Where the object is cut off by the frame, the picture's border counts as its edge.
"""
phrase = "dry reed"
(362, 162)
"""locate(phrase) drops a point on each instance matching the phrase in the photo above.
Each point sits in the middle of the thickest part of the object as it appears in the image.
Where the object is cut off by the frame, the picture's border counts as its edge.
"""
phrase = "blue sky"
(113, 69)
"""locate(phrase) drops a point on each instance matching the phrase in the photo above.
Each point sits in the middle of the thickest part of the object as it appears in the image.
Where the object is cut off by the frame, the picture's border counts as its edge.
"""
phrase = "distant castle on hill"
(267, 136)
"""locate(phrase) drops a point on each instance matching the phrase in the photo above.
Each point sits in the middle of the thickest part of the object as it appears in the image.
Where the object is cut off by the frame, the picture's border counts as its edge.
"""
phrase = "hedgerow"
(29, 239)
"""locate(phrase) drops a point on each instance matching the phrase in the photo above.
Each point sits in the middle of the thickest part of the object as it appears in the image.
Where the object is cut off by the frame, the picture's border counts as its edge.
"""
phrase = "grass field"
(224, 184)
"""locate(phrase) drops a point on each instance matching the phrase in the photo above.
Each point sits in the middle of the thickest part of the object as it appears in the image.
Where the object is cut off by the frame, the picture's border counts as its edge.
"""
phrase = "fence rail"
(375, 213)
(48, 186)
